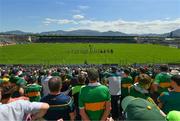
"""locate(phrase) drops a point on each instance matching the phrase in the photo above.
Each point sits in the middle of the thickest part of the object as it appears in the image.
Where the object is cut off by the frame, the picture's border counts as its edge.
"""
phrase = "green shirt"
(33, 92)
(163, 80)
(170, 101)
(125, 83)
(92, 98)
(76, 89)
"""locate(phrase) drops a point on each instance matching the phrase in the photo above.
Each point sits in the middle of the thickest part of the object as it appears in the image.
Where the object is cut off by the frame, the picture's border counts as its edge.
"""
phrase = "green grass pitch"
(92, 53)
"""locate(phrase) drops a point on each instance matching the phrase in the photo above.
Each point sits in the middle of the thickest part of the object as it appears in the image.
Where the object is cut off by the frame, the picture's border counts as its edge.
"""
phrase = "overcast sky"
(128, 16)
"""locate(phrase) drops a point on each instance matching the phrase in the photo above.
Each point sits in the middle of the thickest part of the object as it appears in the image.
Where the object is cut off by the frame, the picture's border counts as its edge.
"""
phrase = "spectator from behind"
(17, 110)
(94, 99)
(33, 89)
(126, 82)
(140, 89)
(162, 81)
(6, 93)
(61, 105)
(44, 83)
(19, 85)
(141, 71)
(169, 101)
(114, 81)
(75, 93)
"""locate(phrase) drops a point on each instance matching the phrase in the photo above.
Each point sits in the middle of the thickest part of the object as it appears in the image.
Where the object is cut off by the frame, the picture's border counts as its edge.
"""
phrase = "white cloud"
(136, 27)
(48, 21)
(167, 18)
(78, 17)
(83, 7)
(156, 26)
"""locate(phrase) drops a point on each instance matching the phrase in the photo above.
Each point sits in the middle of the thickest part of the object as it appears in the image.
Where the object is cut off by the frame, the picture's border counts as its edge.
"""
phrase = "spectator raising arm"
(43, 109)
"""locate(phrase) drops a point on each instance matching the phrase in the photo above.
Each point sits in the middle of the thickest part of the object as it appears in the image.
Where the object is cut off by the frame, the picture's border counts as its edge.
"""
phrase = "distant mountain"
(83, 33)
(112, 33)
(15, 32)
(175, 33)
(59, 32)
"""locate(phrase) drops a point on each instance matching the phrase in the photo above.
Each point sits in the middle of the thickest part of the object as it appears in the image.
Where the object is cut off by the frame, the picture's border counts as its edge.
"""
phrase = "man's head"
(164, 68)
(93, 74)
(175, 81)
(142, 70)
(49, 72)
(126, 72)
(114, 69)
(81, 79)
(55, 84)
(31, 79)
(7, 91)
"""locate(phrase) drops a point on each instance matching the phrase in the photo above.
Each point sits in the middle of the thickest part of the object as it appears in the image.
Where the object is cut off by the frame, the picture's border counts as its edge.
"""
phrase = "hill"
(175, 33)
(83, 33)
(16, 32)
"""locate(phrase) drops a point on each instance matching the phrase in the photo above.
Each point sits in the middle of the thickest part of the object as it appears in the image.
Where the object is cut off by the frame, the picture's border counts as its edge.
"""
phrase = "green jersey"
(126, 82)
(76, 89)
(170, 101)
(33, 92)
(93, 98)
(163, 80)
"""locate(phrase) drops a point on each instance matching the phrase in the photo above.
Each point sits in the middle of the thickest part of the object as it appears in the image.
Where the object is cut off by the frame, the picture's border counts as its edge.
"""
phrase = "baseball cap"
(18, 81)
(173, 116)
(140, 109)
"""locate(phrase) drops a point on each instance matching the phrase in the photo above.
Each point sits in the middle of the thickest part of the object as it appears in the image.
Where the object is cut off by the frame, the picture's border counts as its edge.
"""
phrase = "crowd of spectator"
(144, 92)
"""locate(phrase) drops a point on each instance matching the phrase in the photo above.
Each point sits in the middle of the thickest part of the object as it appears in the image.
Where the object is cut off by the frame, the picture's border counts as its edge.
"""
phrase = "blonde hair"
(144, 79)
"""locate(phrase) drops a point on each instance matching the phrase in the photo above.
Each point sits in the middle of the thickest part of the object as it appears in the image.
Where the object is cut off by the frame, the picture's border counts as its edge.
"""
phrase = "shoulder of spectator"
(44, 106)
(162, 96)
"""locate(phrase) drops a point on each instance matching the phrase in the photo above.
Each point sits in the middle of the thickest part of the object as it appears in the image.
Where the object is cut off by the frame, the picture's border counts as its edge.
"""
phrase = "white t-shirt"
(44, 83)
(16, 111)
(114, 84)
